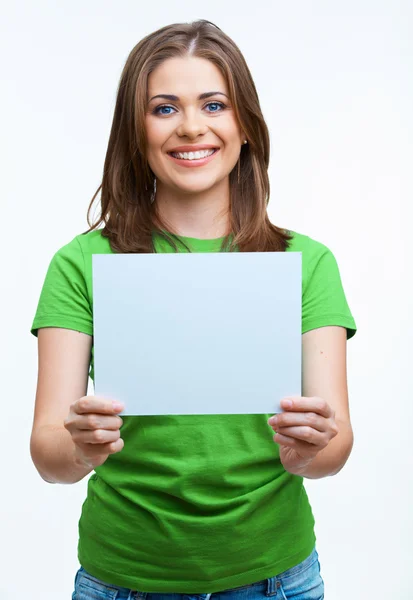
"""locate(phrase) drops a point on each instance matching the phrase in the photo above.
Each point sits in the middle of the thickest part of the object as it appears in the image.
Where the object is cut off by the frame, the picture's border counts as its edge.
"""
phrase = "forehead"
(186, 76)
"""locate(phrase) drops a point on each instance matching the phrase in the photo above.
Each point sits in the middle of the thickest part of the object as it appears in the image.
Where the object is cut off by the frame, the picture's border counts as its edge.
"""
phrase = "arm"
(325, 375)
(63, 357)
(332, 459)
(315, 434)
(53, 454)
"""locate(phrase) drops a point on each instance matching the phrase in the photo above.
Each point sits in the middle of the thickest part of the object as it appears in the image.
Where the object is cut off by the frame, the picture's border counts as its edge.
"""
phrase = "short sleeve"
(64, 300)
(324, 301)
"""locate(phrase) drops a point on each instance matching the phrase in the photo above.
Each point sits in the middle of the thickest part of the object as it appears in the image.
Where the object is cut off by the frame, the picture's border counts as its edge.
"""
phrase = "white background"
(335, 83)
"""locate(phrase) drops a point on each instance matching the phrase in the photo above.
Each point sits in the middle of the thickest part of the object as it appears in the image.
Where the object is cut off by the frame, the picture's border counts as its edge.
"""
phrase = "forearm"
(333, 457)
(53, 454)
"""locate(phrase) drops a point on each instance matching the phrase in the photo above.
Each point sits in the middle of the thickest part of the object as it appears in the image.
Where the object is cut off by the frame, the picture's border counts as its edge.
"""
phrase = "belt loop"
(272, 586)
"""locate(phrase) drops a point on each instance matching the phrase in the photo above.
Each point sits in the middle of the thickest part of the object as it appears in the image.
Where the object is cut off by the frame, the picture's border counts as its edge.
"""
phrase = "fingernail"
(117, 406)
(286, 403)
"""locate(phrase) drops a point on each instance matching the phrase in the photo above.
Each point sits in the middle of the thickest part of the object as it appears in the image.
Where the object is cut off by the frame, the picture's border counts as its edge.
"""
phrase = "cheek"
(231, 136)
(231, 126)
(157, 135)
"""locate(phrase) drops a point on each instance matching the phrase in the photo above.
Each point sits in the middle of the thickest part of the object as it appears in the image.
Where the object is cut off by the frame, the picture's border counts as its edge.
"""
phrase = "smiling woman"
(185, 89)
(207, 124)
(192, 504)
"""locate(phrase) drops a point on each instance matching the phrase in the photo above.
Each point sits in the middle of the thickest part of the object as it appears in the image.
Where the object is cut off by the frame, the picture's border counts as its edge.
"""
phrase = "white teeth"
(193, 155)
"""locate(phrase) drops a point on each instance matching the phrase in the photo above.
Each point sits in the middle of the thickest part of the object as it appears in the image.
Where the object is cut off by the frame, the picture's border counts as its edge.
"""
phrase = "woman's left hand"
(302, 431)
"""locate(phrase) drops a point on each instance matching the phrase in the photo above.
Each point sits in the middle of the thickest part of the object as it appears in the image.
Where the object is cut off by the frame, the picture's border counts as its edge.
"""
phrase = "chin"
(199, 189)
(196, 187)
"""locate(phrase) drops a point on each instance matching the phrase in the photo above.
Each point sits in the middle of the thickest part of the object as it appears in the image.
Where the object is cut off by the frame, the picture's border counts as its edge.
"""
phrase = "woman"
(193, 504)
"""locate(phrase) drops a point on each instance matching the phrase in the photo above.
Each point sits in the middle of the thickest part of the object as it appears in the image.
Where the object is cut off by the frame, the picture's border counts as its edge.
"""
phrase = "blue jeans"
(302, 582)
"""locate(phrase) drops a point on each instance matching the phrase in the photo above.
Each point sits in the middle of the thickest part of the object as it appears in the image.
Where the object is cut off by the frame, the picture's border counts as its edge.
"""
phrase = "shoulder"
(306, 244)
(83, 245)
(93, 242)
(312, 250)
(318, 261)
(72, 262)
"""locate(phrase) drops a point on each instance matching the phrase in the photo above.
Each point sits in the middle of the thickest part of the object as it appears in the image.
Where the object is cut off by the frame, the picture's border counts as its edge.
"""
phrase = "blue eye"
(222, 106)
(159, 110)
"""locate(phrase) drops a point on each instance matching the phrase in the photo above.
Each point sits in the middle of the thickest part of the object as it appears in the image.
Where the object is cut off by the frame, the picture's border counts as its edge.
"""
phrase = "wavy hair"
(128, 184)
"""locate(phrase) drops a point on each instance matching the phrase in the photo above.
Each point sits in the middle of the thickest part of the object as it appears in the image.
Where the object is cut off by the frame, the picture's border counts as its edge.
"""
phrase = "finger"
(91, 451)
(97, 421)
(308, 404)
(291, 419)
(306, 434)
(96, 404)
(115, 446)
(97, 436)
(284, 440)
(304, 449)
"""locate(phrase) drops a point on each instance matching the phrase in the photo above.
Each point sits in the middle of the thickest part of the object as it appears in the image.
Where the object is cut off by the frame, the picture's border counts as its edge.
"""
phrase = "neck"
(203, 215)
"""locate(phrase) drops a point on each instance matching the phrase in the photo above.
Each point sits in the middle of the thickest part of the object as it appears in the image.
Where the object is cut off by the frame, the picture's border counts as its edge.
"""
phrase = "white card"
(198, 333)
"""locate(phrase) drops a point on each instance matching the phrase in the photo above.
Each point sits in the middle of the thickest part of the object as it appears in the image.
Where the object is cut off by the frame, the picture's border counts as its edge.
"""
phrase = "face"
(197, 116)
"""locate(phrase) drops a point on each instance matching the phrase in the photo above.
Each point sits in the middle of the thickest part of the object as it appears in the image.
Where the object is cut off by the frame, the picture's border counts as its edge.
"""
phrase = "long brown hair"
(128, 183)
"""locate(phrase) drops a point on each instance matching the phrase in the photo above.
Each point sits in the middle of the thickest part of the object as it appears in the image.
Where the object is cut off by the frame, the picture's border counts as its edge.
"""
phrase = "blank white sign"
(197, 333)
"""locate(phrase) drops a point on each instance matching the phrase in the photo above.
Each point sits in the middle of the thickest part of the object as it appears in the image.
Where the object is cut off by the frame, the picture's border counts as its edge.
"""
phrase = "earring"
(239, 162)
(153, 194)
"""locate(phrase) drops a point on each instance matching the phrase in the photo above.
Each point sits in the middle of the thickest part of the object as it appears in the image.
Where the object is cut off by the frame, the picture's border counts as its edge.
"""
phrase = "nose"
(191, 125)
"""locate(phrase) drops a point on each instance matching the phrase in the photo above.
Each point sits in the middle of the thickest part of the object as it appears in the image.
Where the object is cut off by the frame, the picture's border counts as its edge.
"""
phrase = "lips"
(193, 162)
(193, 148)
(194, 155)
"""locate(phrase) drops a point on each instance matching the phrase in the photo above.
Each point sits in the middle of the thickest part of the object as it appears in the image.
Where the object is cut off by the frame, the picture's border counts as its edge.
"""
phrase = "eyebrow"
(176, 98)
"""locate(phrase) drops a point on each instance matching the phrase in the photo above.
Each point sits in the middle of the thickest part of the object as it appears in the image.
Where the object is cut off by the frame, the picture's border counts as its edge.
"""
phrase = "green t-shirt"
(193, 503)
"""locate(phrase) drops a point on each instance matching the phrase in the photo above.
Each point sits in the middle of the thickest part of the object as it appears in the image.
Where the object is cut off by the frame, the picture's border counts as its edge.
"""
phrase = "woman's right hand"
(94, 425)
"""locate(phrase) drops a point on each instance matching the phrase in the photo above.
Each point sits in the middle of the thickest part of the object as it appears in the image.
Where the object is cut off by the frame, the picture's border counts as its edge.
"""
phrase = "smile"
(193, 155)
(193, 159)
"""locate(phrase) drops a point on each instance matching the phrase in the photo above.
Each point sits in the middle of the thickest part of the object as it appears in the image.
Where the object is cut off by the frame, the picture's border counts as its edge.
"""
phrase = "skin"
(193, 201)
(305, 428)
(95, 429)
